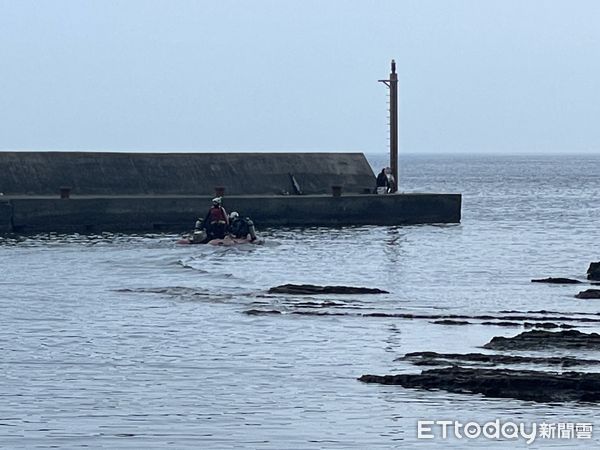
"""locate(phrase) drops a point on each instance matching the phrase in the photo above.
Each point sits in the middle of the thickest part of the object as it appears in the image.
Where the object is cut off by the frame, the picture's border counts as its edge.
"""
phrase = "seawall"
(21, 214)
(106, 174)
(6, 215)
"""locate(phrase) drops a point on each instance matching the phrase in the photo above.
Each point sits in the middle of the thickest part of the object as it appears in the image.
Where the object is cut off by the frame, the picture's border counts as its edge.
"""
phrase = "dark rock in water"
(261, 312)
(319, 313)
(520, 320)
(528, 385)
(556, 281)
(539, 339)
(589, 293)
(593, 272)
(547, 325)
(445, 359)
(528, 324)
(305, 289)
(451, 322)
(317, 304)
(502, 324)
(557, 318)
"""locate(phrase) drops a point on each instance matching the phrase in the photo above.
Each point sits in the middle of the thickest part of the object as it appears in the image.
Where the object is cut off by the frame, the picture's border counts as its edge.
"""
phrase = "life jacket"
(217, 214)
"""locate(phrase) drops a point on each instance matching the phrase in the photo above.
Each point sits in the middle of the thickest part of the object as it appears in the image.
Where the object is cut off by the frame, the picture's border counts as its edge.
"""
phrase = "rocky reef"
(529, 385)
(589, 294)
(311, 289)
(556, 280)
(479, 359)
(478, 373)
(539, 339)
(593, 272)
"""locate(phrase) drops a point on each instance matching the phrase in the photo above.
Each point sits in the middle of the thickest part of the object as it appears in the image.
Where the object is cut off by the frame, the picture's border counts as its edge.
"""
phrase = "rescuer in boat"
(199, 235)
(216, 221)
(241, 227)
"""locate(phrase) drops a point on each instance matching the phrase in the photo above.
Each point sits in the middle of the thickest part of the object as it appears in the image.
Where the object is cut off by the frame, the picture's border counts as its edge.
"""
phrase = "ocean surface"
(131, 341)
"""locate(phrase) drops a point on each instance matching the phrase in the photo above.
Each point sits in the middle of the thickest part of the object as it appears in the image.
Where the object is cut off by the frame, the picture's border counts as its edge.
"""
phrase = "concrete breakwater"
(106, 174)
(168, 191)
(20, 214)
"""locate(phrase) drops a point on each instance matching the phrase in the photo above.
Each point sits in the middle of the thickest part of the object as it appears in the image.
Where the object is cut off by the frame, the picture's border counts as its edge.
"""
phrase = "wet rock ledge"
(593, 272)
(589, 294)
(556, 281)
(311, 289)
(537, 339)
(534, 385)
(506, 383)
(480, 359)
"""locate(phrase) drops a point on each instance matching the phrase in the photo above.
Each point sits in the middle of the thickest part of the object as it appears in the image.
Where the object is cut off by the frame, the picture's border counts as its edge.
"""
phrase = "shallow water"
(125, 341)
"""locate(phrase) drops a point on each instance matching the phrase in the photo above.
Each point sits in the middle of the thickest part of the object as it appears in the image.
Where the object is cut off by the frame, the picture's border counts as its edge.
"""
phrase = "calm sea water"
(130, 341)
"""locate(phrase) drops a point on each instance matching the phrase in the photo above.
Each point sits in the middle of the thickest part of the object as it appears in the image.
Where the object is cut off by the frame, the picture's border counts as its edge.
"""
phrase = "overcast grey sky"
(475, 76)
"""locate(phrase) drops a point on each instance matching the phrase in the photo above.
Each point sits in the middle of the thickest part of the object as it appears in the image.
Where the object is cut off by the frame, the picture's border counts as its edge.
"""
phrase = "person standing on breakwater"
(382, 184)
(216, 220)
(391, 182)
